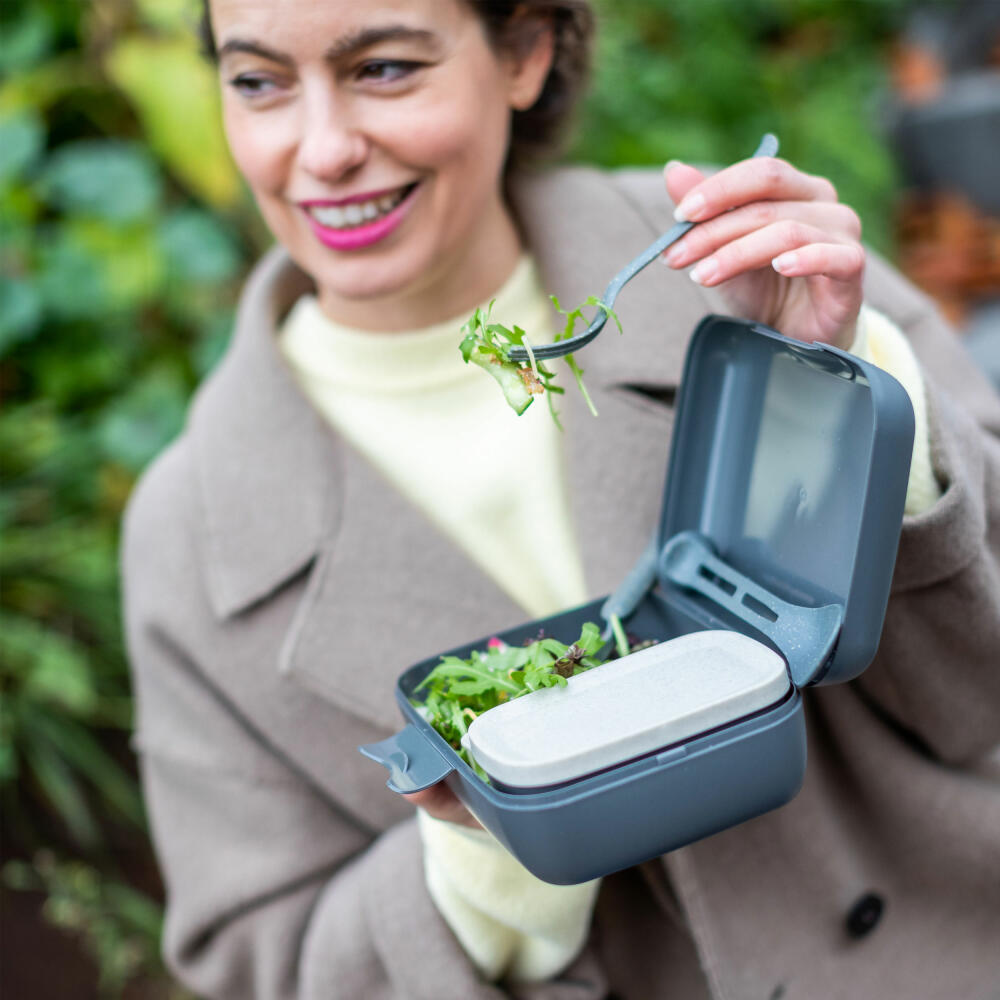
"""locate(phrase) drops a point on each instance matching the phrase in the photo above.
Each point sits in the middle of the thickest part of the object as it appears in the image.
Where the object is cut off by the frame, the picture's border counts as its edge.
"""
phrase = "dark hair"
(537, 132)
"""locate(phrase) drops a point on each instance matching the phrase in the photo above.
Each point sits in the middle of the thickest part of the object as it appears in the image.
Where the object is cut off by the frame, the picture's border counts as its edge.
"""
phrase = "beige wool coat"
(275, 587)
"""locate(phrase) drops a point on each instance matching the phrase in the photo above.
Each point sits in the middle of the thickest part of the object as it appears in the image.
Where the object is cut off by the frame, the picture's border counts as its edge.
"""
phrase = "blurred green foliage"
(119, 927)
(702, 80)
(125, 233)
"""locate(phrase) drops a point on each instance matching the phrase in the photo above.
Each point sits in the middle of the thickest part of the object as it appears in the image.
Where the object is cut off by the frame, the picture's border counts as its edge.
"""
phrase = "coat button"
(863, 916)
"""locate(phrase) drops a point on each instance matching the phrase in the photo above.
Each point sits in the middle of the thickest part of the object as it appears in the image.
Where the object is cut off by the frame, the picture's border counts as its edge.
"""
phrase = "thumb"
(680, 178)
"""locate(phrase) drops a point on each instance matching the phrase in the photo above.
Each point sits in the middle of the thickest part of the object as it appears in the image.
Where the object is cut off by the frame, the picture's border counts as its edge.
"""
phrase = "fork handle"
(768, 146)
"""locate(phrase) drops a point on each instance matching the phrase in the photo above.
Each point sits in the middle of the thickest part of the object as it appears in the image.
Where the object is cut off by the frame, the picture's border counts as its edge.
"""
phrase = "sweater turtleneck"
(440, 432)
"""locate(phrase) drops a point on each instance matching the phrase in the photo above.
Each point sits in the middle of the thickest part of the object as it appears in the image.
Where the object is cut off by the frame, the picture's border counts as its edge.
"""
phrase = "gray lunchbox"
(769, 572)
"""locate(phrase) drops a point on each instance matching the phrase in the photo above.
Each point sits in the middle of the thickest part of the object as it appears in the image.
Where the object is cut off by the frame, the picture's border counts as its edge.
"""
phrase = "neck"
(456, 284)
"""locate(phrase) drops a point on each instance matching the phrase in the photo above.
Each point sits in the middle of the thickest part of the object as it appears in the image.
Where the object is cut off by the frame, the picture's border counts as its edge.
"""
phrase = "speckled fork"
(768, 147)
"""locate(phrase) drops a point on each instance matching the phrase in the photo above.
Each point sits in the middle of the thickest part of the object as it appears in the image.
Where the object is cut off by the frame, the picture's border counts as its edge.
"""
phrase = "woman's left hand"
(778, 244)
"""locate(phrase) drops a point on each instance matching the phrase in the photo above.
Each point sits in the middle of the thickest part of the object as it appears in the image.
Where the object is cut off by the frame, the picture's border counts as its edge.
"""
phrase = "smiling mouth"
(359, 213)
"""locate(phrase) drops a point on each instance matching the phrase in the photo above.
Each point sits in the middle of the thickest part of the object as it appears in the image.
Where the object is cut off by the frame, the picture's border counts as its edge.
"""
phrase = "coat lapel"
(283, 496)
(262, 457)
(387, 590)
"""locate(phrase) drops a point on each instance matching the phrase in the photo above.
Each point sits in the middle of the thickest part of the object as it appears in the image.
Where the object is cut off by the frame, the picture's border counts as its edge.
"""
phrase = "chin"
(376, 273)
(359, 281)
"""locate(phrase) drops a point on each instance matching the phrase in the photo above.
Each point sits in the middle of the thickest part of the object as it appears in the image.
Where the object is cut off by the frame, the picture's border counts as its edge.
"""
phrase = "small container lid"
(625, 709)
(791, 461)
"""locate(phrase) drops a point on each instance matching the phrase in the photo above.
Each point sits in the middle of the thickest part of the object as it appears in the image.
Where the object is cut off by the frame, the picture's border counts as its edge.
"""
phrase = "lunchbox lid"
(627, 708)
(784, 493)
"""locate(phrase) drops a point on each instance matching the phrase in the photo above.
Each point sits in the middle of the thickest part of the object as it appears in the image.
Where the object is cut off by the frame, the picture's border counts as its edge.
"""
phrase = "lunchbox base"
(636, 811)
(652, 806)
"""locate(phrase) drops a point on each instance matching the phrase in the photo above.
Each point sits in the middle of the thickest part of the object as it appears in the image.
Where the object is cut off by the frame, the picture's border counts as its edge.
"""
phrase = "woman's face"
(373, 136)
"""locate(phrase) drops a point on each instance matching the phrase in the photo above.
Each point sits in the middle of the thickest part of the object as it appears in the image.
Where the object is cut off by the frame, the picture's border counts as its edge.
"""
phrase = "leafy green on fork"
(487, 344)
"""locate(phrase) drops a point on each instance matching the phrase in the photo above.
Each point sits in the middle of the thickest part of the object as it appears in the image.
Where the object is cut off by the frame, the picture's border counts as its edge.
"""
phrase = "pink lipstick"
(362, 235)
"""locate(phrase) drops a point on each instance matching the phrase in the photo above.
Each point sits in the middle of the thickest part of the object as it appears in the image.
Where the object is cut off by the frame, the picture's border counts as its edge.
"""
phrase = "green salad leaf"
(487, 344)
(456, 691)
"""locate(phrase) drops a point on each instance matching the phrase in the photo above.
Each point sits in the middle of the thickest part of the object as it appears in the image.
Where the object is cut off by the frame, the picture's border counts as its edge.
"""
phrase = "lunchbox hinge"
(804, 636)
(632, 591)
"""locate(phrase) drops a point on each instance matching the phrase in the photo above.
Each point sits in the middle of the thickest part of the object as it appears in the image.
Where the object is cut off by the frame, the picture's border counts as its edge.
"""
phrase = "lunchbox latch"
(805, 636)
(412, 760)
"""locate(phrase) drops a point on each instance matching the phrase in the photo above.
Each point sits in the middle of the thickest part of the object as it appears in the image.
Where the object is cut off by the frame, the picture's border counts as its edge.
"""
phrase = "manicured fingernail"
(675, 255)
(705, 271)
(670, 166)
(689, 208)
(785, 262)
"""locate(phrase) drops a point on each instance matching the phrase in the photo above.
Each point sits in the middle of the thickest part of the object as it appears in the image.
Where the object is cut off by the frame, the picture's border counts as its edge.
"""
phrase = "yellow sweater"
(439, 431)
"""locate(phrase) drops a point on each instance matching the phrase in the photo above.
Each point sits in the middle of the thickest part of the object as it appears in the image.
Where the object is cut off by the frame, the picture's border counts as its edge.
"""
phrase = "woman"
(347, 499)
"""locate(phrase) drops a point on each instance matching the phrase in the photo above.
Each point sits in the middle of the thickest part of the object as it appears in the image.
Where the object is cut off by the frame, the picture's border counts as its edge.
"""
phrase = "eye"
(249, 85)
(386, 70)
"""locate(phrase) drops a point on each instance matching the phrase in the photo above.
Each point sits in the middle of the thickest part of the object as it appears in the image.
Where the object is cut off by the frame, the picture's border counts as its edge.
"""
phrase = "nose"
(331, 145)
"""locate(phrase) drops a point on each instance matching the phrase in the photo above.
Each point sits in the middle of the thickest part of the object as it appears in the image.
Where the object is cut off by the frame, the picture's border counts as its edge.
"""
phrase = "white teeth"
(358, 212)
(330, 216)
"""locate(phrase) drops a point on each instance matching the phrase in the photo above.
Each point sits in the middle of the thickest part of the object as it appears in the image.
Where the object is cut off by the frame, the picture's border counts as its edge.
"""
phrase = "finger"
(680, 178)
(839, 261)
(441, 802)
(760, 248)
(838, 221)
(762, 178)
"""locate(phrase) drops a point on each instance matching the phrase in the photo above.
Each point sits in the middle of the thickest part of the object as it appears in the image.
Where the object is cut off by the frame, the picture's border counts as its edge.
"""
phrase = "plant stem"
(621, 640)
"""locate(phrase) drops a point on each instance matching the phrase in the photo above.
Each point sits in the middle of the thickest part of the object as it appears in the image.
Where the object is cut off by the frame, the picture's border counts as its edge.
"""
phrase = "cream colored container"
(622, 710)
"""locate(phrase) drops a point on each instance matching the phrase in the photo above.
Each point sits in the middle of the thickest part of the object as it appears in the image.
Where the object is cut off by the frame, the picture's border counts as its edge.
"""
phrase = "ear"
(529, 60)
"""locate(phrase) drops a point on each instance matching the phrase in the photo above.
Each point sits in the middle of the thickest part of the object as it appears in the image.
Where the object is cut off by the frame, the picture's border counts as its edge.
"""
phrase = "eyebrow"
(348, 45)
(366, 37)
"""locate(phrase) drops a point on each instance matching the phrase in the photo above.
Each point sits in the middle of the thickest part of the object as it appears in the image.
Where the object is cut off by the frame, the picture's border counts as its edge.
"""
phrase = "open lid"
(787, 479)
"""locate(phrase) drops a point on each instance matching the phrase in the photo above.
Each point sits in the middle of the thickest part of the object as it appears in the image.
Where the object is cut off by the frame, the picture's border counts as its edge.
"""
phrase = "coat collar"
(263, 457)
(281, 495)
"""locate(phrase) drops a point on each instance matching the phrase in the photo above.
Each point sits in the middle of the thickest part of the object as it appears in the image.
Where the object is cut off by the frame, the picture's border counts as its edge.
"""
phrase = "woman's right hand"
(778, 243)
(441, 802)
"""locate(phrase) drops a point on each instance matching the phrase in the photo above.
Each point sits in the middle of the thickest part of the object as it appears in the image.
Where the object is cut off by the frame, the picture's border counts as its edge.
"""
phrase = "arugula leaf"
(571, 317)
(487, 344)
(469, 677)
(457, 690)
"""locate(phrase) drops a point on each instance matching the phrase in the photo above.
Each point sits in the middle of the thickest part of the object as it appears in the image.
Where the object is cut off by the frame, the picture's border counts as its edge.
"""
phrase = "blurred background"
(124, 236)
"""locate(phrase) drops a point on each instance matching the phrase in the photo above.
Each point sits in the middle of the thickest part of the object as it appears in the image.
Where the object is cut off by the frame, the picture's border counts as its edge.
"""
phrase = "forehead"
(304, 25)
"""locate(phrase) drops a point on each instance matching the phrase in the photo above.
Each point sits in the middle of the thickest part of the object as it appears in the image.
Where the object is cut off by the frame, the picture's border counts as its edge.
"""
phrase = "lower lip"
(362, 236)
